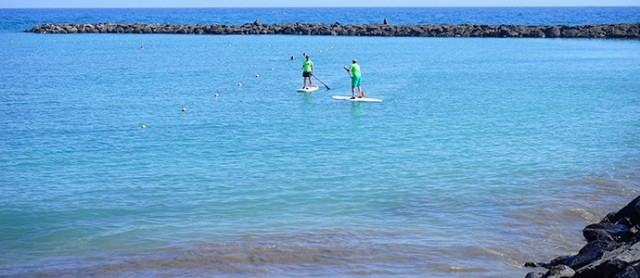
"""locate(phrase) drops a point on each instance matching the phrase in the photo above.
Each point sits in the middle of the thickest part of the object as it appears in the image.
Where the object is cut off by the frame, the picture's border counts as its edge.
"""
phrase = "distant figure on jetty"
(356, 79)
(307, 72)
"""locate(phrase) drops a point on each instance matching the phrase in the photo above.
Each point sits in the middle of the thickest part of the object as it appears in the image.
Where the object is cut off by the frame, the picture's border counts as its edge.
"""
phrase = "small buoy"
(257, 75)
(272, 69)
(184, 109)
(143, 126)
(293, 58)
(239, 84)
(216, 95)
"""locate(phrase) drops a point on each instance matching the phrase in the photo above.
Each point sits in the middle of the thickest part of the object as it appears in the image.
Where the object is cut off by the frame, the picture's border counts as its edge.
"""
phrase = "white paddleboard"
(357, 99)
(308, 89)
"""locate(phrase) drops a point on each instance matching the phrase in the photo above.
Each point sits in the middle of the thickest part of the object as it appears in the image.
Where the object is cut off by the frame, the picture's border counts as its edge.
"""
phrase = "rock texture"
(619, 31)
(612, 249)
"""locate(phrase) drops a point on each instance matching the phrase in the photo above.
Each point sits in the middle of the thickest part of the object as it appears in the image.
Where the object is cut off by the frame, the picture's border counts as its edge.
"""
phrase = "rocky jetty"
(612, 249)
(618, 31)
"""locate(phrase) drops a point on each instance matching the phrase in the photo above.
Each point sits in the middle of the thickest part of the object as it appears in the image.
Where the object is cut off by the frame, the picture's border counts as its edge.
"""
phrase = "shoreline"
(597, 31)
(612, 249)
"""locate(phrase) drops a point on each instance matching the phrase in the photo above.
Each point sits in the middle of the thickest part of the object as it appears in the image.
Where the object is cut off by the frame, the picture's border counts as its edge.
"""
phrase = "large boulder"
(612, 251)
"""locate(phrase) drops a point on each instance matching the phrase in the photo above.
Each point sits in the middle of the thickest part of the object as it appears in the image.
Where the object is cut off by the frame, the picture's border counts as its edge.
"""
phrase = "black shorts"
(306, 74)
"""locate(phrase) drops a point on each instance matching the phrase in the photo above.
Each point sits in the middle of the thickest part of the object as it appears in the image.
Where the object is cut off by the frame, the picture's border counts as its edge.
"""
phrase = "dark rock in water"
(613, 249)
(630, 272)
(628, 31)
(629, 215)
(592, 251)
(534, 275)
(606, 231)
(612, 263)
(560, 271)
(552, 32)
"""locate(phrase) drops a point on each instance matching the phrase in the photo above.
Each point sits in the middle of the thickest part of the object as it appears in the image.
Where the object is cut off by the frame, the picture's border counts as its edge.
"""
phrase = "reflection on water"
(356, 108)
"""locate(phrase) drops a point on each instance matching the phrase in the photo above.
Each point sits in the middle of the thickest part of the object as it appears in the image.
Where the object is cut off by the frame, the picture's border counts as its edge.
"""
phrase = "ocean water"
(485, 154)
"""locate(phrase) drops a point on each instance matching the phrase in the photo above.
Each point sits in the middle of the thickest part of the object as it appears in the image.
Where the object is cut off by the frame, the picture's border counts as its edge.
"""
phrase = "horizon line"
(316, 7)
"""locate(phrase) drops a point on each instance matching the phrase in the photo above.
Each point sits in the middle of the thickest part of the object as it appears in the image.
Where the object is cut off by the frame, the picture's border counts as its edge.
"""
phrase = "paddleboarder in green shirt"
(307, 72)
(356, 79)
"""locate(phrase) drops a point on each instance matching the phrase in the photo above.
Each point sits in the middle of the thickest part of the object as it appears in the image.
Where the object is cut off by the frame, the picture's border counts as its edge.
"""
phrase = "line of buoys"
(217, 95)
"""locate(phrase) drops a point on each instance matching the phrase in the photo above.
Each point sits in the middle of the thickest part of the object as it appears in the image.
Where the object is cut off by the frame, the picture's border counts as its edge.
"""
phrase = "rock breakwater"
(612, 249)
(618, 31)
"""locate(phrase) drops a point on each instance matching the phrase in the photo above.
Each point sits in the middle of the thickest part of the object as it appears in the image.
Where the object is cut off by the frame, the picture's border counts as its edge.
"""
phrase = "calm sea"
(485, 154)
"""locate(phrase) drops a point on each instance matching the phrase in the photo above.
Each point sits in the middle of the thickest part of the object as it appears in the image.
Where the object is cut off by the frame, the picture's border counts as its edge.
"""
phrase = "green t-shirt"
(355, 70)
(307, 65)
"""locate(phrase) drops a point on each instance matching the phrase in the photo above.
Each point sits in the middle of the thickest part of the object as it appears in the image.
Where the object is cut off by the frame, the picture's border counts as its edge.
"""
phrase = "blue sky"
(291, 3)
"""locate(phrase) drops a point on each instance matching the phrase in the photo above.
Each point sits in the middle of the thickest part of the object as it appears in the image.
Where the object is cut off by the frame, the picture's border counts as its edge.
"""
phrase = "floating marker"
(216, 95)
(143, 126)
(184, 109)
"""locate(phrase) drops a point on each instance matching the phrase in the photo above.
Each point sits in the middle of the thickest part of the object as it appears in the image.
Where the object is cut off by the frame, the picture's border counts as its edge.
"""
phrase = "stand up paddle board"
(308, 89)
(357, 99)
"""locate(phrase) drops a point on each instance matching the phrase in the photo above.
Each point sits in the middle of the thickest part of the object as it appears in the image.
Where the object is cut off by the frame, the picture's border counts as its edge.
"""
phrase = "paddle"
(321, 81)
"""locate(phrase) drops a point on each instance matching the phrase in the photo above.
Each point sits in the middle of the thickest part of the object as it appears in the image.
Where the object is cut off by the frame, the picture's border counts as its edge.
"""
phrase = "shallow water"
(485, 154)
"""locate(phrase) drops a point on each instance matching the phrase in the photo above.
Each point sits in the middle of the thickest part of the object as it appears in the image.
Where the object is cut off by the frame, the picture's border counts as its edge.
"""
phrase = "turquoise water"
(485, 154)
